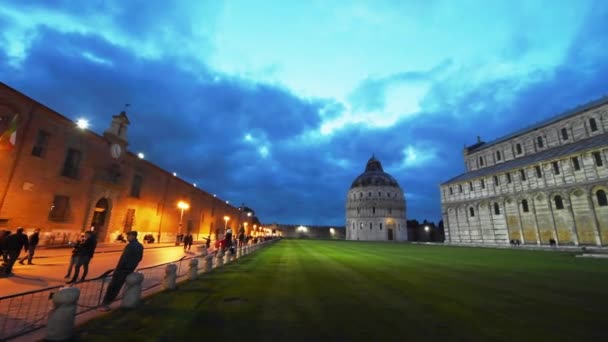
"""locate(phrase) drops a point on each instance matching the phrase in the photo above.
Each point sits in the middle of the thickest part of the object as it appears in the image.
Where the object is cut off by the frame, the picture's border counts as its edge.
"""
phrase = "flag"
(9, 137)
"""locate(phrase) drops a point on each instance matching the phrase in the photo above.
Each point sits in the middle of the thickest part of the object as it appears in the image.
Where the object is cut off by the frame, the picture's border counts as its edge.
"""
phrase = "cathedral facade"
(546, 184)
(375, 206)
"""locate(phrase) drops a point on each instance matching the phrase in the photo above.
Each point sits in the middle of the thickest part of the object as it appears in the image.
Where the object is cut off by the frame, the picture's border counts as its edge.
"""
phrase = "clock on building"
(116, 150)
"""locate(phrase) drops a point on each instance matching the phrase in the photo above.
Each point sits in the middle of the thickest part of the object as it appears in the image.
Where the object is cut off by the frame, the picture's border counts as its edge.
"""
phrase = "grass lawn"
(301, 290)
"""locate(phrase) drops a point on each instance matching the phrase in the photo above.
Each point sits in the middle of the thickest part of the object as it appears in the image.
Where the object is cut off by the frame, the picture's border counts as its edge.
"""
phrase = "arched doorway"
(101, 213)
(390, 230)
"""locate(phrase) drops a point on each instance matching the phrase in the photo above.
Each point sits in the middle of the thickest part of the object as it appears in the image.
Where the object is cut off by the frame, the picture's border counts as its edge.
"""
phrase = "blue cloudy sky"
(279, 104)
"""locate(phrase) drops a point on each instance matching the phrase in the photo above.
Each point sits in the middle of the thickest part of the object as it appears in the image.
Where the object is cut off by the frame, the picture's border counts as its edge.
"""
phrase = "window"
(470, 186)
(459, 187)
(42, 139)
(498, 155)
(518, 149)
(538, 171)
(59, 208)
(380, 226)
(555, 168)
(390, 211)
(483, 184)
(379, 194)
(136, 186)
(360, 195)
(539, 142)
(509, 178)
(369, 194)
(592, 125)
(602, 201)
(451, 191)
(524, 206)
(522, 174)
(361, 225)
(472, 212)
(564, 134)
(129, 220)
(559, 203)
(575, 163)
(358, 210)
(353, 225)
(388, 194)
(373, 210)
(598, 159)
(496, 209)
(370, 226)
(480, 161)
(71, 164)
(495, 180)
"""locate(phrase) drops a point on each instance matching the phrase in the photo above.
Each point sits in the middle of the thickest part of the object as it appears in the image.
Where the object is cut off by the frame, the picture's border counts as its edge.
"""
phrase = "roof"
(374, 175)
(572, 112)
(553, 153)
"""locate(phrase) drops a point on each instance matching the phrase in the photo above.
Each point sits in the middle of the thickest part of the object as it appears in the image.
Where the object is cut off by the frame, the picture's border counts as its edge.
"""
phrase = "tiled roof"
(572, 112)
(518, 163)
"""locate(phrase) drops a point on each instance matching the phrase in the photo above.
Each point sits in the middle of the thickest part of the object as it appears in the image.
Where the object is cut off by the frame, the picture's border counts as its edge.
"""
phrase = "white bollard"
(208, 262)
(132, 293)
(170, 277)
(193, 270)
(219, 260)
(201, 250)
(60, 325)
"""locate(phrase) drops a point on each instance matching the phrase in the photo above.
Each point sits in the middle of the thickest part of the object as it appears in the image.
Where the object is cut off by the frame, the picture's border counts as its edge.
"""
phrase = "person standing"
(3, 235)
(188, 240)
(33, 242)
(130, 258)
(13, 245)
(84, 254)
(74, 257)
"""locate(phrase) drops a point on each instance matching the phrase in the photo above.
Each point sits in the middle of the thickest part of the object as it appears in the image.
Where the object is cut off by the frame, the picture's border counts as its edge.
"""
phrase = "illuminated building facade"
(541, 185)
(64, 179)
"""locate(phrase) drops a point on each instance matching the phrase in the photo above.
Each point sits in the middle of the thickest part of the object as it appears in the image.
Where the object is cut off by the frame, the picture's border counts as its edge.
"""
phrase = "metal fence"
(25, 312)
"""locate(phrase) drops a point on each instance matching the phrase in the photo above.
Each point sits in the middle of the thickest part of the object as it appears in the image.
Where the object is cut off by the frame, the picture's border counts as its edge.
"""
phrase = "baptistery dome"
(375, 206)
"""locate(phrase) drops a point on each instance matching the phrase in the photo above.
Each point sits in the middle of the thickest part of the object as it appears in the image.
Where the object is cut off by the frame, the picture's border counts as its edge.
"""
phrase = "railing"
(25, 312)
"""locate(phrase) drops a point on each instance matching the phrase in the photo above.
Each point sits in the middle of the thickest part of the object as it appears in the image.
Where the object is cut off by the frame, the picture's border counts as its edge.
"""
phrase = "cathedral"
(375, 206)
(543, 185)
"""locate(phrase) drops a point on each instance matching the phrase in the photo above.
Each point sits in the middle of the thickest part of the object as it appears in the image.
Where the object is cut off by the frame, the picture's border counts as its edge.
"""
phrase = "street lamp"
(182, 206)
(426, 228)
(226, 219)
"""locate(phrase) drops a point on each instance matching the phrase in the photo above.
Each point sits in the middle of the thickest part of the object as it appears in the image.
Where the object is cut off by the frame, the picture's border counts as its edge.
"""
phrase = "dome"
(374, 175)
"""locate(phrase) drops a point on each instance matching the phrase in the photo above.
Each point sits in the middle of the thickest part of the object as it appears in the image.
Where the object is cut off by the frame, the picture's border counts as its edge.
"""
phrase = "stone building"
(546, 182)
(64, 179)
(375, 206)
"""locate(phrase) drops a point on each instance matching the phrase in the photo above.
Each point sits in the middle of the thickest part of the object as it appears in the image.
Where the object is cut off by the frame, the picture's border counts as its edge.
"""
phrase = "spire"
(373, 164)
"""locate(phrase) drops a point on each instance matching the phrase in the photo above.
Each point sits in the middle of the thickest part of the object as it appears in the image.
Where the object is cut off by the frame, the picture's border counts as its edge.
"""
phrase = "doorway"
(100, 216)
(390, 234)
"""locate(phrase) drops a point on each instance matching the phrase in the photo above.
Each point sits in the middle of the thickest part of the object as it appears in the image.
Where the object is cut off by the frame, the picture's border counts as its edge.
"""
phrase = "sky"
(279, 104)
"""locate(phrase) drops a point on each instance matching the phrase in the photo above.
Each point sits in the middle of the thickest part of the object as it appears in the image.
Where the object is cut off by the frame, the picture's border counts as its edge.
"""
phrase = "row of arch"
(385, 231)
(563, 132)
(571, 216)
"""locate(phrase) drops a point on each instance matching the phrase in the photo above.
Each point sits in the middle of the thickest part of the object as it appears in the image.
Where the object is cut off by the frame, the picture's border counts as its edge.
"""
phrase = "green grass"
(298, 290)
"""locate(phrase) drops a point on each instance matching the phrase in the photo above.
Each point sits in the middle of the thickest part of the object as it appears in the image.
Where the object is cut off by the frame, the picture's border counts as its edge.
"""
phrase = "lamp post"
(226, 219)
(426, 229)
(182, 206)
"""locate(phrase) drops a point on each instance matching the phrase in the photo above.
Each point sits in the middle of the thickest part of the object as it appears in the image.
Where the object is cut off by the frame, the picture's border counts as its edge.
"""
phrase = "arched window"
(480, 161)
(524, 206)
(559, 203)
(601, 198)
(471, 211)
(539, 142)
(498, 155)
(518, 149)
(361, 225)
(496, 209)
(592, 125)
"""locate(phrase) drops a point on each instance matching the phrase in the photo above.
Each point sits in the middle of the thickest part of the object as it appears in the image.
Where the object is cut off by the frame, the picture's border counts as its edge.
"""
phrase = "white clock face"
(116, 150)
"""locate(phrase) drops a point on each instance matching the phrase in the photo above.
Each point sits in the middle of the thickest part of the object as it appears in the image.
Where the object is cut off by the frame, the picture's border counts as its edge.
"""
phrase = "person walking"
(130, 258)
(84, 254)
(188, 240)
(33, 242)
(13, 245)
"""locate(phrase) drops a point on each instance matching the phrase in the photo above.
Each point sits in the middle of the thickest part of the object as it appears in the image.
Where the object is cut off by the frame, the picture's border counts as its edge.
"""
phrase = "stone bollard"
(227, 258)
(170, 277)
(208, 262)
(60, 325)
(239, 252)
(193, 270)
(219, 260)
(132, 293)
(201, 250)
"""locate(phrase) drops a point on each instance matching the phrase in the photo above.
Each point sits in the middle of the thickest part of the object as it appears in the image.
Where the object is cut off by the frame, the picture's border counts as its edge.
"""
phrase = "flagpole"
(18, 157)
